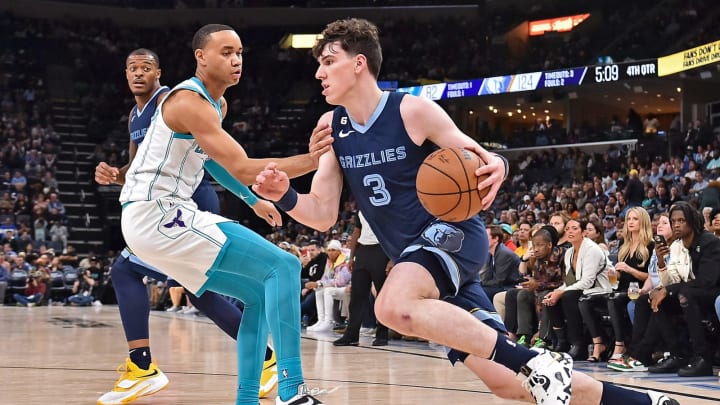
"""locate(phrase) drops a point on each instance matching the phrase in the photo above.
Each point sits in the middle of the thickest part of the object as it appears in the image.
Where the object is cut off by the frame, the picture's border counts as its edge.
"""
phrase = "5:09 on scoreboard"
(614, 72)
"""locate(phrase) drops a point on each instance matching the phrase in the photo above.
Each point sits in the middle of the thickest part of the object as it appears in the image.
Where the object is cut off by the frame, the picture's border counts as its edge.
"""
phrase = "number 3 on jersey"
(381, 196)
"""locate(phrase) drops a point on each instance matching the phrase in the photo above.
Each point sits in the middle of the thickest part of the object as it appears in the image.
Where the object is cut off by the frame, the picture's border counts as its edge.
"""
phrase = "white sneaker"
(302, 398)
(367, 331)
(549, 375)
(320, 326)
(173, 309)
(659, 398)
(323, 326)
(314, 326)
(191, 311)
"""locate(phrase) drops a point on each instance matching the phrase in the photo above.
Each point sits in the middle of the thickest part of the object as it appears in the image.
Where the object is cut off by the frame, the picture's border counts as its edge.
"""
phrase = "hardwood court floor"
(68, 355)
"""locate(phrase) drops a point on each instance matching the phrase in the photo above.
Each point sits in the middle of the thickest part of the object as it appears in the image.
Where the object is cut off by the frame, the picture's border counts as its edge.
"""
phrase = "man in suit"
(501, 271)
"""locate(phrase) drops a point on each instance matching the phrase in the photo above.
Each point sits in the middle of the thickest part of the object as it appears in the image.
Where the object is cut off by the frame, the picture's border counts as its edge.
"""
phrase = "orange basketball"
(447, 185)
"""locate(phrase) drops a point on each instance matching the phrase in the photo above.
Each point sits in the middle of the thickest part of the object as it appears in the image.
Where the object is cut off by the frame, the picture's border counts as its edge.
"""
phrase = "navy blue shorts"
(206, 198)
(453, 254)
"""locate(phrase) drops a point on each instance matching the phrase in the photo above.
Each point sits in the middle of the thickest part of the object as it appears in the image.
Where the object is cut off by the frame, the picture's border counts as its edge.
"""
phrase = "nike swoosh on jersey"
(342, 134)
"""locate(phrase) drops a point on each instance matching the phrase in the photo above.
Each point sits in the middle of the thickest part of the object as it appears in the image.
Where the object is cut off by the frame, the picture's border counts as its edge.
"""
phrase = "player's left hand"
(267, 211)
(320, 141)
(271, 183)
(494, 168)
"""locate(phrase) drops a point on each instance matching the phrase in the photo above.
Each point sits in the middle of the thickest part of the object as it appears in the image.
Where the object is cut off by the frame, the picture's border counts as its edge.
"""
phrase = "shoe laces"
(123, 370)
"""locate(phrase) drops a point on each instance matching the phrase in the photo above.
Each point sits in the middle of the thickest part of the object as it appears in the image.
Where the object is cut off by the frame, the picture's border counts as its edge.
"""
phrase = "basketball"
(447, 185)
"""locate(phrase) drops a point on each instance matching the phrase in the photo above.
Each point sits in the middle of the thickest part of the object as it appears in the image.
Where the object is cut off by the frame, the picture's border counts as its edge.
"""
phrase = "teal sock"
(289, 377)
(247, 392)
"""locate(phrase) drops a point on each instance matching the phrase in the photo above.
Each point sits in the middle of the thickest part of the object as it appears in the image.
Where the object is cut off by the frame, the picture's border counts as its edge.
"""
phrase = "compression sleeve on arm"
(229, 182)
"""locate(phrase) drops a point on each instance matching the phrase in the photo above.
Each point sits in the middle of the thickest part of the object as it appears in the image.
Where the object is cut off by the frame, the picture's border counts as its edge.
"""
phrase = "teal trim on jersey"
(378, 110)
(178, 135)
(162, 164)
(180, 170)
(125, 204)
(205, 93)
(226, 180)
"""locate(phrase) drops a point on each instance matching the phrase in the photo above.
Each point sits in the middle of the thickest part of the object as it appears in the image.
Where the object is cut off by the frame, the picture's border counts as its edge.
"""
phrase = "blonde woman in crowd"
(632, 266)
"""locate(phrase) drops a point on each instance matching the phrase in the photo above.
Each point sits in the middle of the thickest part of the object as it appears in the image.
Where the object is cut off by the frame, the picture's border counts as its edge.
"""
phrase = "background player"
(142, 71)
(204, 251)
(434, 260)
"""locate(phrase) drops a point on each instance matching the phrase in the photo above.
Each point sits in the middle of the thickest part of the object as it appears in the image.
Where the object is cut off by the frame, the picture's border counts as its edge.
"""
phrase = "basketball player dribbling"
(141, 376)
(206, 252)
(379, 141)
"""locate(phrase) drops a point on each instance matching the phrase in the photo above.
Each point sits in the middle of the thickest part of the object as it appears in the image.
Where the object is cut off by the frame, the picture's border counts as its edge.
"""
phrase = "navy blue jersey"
(380, 163)
(139, 121)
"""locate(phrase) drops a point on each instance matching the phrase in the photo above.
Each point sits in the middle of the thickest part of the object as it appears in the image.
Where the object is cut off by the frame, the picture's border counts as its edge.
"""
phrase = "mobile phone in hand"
(659, 239)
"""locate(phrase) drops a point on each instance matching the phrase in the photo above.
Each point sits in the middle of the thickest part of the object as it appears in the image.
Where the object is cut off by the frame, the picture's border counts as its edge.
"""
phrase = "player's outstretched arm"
(317, 209)
(188, 112)
(425, 119)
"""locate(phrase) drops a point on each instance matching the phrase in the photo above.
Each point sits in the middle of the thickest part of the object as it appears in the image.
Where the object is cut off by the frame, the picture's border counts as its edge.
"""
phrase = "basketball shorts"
(174, 236)
(454, 253)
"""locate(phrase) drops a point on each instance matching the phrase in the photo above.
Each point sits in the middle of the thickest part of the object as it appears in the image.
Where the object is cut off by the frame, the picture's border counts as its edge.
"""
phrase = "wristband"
(505, 164)
(288, 201)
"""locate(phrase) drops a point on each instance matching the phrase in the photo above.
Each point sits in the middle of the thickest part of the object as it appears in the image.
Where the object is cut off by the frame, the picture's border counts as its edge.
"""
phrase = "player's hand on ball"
(271, 183)
(494, 169)
(320, 141)
(267, 211)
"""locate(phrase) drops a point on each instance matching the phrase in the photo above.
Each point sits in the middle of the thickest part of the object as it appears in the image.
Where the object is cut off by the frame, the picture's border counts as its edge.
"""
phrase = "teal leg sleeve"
(267, 280)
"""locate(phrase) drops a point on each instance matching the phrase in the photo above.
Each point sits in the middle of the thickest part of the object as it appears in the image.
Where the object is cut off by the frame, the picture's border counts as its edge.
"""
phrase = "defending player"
(142, 71)
(380, 140)
(203, 251)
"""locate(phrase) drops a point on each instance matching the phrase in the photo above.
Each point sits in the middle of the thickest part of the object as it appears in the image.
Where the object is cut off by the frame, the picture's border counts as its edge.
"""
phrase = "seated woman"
(633, 259)
(642, 310)
(585, 274)
(545, 273)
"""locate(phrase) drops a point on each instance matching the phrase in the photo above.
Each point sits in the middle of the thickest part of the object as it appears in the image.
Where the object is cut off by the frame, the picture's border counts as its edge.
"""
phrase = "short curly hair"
(356, 36)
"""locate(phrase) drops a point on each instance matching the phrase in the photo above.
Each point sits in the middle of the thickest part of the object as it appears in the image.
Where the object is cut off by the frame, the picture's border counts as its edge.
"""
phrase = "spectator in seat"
(501, 271)
(330, 287)
(4, 276)
(695, 295)
(585, 266)
(56, 209)
(314, 262)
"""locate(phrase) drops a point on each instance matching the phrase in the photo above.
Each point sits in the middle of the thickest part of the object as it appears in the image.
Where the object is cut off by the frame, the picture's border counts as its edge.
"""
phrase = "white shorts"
(174, 236)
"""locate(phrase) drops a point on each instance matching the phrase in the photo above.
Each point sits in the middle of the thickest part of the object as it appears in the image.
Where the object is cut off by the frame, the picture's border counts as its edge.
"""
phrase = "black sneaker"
(346, 341)
(670, 364)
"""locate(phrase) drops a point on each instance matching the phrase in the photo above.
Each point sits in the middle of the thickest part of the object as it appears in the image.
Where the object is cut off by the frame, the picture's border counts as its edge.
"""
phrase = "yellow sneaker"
(133, 383)
(269, 376)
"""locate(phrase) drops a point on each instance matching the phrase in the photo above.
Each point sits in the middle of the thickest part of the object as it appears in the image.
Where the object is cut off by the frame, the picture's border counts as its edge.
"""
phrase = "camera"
(660, 240)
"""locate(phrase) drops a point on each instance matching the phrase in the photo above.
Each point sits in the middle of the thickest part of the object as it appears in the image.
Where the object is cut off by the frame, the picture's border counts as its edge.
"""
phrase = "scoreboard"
(577, 76)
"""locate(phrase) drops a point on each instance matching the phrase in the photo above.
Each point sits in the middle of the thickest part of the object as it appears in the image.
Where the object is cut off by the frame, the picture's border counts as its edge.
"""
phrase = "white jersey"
(167, 165)
(160, 221)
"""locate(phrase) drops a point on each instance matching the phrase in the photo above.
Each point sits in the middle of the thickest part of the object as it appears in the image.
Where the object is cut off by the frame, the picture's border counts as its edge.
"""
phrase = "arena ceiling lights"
(299, 41)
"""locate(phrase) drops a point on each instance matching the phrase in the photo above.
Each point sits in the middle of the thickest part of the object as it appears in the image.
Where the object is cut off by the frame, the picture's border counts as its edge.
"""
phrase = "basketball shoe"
(269, 376)
(659, 398)
(303, 397)
(133, 383)
(549, 375)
